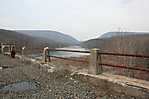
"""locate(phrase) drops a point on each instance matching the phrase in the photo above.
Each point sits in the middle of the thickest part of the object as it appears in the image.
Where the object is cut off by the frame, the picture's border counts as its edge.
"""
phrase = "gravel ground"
(54, 82)
(58, 84)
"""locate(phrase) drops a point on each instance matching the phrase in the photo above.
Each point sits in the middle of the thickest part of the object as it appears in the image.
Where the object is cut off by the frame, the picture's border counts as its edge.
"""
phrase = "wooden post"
(10, 48)
(22, 52)
(49, 56)
(45, 54)
(2, 48)
(95, 60)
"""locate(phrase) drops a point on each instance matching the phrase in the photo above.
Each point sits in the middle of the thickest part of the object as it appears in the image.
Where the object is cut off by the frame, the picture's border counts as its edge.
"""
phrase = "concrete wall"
(137, 89)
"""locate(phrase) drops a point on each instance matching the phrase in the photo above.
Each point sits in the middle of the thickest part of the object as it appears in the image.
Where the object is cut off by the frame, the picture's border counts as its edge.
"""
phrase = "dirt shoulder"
(55, 81)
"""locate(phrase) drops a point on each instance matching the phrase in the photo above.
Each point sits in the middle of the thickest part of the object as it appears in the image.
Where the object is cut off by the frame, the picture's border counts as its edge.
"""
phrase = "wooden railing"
(95, 61)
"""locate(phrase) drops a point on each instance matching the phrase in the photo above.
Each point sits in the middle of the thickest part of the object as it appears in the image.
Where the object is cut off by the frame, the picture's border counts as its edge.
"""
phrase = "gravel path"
(53, 82)
(58, 84)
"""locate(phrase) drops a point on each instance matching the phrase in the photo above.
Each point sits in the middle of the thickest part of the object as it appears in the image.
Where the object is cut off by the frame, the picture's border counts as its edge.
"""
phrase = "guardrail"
(64, 50)
(95, 61)
(70, 59)
(128, 55)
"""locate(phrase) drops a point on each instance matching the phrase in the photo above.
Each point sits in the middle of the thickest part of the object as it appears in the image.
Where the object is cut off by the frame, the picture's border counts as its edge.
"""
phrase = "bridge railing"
(95, 61)
(123, 66)
(66, 58)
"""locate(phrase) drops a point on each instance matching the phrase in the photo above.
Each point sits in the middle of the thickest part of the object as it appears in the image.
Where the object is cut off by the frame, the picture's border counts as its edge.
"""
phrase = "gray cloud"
(80, 18)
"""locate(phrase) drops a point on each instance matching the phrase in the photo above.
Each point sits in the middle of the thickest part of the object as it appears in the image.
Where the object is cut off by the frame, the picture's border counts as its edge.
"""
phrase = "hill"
(51, 35)
(7, 36)
(32, 43)
(116, 34)
(118, 39)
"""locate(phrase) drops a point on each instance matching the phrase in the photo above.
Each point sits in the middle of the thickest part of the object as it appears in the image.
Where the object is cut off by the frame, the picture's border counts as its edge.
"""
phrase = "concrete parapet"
(95, 60)
(139, 89)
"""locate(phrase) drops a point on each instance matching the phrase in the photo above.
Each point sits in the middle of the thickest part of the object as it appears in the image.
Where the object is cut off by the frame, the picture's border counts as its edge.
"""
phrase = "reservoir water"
(69, 54)
(62, 53)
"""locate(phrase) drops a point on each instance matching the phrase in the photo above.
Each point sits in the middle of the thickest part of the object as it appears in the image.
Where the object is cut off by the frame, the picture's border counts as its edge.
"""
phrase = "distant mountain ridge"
(12, 36)
(51, 35)
(32, 43)
(104, 39)
(115, 34)
(7, 36)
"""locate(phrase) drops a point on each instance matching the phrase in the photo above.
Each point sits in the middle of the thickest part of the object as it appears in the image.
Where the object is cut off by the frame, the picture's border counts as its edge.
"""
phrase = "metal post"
(95, 60)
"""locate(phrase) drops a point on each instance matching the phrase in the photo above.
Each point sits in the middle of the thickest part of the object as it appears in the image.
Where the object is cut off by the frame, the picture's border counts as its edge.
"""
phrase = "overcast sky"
(82, 19)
